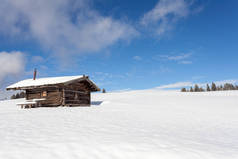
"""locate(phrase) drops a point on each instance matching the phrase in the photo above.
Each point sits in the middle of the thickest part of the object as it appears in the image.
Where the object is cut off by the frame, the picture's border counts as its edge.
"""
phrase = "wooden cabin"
(57, 91)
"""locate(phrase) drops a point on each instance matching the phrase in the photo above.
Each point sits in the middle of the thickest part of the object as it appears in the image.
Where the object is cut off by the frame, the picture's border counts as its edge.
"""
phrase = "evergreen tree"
(214, 87)
(232, 87)
(196, 88)
(208, 88)
(201, 89)
(191, 89)
(183, 90)
(13, 96)
(17, 95)
(229, 86)
(22, 95)
(221, 88)
(103, 90)
(226, 86)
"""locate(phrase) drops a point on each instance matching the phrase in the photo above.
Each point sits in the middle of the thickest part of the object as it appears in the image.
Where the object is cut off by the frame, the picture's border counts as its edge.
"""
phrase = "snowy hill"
(148, 124)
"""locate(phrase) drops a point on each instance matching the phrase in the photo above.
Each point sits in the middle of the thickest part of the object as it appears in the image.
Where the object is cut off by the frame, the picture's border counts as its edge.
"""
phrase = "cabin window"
(44, 94)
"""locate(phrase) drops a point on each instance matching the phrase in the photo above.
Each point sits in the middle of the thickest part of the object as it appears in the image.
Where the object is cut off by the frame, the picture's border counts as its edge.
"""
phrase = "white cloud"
(137, 58)
(189, 84)
(175, 85)
(185, 62)
(176, 57)
(12, 63)
(64, 26)
(165, 14)
(180, 59)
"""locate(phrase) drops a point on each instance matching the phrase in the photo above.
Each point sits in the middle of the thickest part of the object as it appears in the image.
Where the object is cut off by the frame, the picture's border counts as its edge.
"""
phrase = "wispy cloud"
(176, 57)
(104, 78)
(175, 85)
(185, 62)
(137, 58)
(37, 59)
(164, 69)
(13, 63)
(180, 59)
(164, 16)
(62, 26)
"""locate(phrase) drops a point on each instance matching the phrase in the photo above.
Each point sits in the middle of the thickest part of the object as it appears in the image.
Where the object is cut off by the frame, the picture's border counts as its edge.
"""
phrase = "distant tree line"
(18, 95)
(212, 87)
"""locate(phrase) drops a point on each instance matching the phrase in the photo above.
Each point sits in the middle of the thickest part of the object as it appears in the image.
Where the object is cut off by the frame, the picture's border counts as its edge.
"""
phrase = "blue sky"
(120, 44)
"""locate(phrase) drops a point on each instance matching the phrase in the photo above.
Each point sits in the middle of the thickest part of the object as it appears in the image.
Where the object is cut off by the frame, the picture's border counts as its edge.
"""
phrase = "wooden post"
(63, 97)
(26, 92)
(89, 98)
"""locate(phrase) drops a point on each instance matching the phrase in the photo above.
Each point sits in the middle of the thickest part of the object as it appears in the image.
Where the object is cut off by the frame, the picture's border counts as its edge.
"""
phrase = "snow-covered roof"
(46, 81)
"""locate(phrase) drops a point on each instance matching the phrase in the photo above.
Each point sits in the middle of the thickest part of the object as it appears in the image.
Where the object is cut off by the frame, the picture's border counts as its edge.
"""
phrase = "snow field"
(143, 124)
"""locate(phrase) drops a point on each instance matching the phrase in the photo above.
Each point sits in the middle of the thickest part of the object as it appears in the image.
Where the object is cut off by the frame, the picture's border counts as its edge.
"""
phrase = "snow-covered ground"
(127, 125)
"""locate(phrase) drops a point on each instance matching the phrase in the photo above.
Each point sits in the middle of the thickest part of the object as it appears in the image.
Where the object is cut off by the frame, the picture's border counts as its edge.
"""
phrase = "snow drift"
(127, 125)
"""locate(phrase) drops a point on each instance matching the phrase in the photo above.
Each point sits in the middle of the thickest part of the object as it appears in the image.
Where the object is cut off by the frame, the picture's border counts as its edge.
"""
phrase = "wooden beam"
(63, 103)
(75, 91)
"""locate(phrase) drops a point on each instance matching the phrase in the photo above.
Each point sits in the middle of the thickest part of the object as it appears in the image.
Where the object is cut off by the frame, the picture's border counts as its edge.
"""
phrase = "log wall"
(74, 94)
(77, 93)
(53, 97)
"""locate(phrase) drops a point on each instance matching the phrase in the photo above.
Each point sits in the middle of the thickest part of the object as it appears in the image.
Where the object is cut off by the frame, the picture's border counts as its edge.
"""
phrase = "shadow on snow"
(96, 103)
